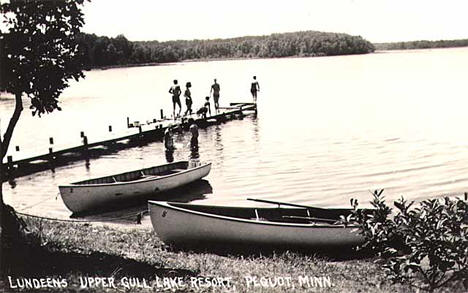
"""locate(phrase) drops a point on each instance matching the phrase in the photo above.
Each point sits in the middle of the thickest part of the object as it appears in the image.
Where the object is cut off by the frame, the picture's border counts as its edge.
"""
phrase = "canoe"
(92, 194)
(181, 224)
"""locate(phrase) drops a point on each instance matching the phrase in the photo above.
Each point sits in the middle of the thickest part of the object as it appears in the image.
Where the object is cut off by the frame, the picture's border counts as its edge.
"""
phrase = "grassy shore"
(139, 262)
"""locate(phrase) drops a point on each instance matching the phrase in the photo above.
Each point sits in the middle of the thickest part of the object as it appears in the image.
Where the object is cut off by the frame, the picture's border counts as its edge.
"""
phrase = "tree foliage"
(38, 56)
(425, 246)
(104, 51)
(39, 50)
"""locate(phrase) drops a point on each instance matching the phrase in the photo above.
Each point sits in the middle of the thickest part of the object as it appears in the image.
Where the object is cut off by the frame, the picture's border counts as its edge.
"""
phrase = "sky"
(375, 20)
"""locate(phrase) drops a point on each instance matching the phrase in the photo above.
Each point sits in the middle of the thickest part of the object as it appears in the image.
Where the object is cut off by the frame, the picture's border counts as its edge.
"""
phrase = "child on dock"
(205, 109)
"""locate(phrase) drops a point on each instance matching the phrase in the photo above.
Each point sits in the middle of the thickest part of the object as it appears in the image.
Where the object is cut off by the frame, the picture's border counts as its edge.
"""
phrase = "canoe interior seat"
(311, 219)
(147, 177)
(177, 170)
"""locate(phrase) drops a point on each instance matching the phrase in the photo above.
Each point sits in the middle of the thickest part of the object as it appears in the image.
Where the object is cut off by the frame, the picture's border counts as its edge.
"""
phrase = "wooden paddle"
(333, 213)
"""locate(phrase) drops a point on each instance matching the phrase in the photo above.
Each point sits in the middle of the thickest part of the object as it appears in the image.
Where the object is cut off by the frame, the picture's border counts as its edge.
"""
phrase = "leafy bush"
(424, 246)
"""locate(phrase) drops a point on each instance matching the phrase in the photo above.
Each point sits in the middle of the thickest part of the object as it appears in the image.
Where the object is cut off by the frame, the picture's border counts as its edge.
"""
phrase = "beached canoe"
(179, 223)
(96, 193)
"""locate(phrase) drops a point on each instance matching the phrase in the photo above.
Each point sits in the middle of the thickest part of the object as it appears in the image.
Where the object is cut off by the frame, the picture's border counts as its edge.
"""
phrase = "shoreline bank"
(380, 51)
(100, 258)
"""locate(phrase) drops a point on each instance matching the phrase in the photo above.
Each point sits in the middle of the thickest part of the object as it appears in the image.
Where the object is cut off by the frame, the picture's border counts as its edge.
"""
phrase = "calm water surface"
(327, 129)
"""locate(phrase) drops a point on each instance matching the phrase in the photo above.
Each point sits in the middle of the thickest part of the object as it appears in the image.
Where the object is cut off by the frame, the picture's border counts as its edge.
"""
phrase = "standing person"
(194, 131)
(169, 144)
(176, 91)
(194, 159)
(215, 90)
(168, 140)
(254, 88)
(188, 98)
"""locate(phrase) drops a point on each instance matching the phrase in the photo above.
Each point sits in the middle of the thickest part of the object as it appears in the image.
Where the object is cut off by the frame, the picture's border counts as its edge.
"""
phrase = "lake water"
(327, 129)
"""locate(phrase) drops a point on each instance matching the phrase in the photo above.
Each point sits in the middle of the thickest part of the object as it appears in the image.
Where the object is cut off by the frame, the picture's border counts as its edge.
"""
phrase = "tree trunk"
(11, 126)
(4, 143)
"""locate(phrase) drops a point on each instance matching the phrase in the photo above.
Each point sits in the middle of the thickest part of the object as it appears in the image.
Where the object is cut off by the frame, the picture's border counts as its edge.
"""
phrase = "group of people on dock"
(176, 92)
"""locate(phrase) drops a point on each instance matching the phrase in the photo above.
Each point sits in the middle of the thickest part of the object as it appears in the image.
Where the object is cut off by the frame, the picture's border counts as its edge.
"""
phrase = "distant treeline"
(421, 45)
(103, 51)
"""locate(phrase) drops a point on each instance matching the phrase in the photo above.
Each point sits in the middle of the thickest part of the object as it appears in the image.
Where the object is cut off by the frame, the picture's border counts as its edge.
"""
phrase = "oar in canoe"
(314, 213)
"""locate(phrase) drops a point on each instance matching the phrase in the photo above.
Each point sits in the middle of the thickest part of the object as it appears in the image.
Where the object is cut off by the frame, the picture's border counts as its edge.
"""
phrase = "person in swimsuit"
(207, 106)
(194, 131)
(176, 91)
(194, 158)
(168, 140)
(188, 98)
(254, 88)
(215, 90)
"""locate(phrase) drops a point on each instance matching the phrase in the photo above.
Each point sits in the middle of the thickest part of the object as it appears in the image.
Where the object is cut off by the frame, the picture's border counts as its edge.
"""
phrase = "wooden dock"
(137, 134)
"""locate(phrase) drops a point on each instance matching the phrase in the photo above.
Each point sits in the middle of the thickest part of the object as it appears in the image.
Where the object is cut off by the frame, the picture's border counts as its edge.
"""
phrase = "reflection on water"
(327, 129)
(169, 155)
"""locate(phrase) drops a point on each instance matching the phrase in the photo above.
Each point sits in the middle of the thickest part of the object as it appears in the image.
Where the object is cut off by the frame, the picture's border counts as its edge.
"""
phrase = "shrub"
(424, 246)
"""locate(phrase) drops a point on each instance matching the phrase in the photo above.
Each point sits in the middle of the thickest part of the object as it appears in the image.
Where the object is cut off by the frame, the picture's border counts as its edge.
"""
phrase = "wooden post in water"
(128, 122)
(17, 148)
(85, 142)
(51, 154)
(51, 159)
(10, 166)
(110, 128)
(85, 149)
(162, 114)
(241, 114)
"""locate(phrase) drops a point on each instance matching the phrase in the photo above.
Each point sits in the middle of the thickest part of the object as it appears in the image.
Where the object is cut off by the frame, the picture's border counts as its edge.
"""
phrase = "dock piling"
(9, 164)
(86, 150)
(51, 159)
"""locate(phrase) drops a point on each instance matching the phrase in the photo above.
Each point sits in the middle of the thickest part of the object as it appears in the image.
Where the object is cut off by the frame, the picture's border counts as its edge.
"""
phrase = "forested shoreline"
(99, 51)
(421, 44)
(102, 51)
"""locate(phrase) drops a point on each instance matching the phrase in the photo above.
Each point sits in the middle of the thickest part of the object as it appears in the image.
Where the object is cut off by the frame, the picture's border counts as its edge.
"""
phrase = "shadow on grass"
(40, 261)
(23, 255)
(339, 253)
